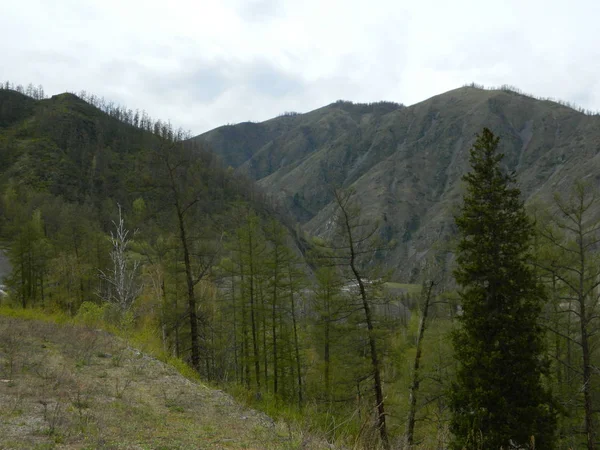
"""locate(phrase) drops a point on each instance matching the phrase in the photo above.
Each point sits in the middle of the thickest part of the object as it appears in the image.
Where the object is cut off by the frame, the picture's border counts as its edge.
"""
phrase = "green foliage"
(351, 250)
(498, 399)
(183, 368)
(91, 314)
(29, 257)
(567, 254)
(44, 315)
(260, 314)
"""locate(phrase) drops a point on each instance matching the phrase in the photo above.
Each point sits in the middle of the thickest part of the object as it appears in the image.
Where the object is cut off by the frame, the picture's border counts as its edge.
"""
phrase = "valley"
(307, 265)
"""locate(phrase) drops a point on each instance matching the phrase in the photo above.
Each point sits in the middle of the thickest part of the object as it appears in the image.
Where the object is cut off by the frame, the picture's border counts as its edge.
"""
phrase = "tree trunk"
(245, 338)
(327, 359)
(264, 337)
(274, 329)
(375, 363)
(253, 320)
(414, 386)
(296, 346)
(585, 348)
(190, 292)
(235, 337)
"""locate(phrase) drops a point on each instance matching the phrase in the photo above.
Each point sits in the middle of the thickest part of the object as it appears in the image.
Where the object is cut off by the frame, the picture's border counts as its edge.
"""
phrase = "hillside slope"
(406, 163)
(69, 173)
(76, 387)
(66, 147)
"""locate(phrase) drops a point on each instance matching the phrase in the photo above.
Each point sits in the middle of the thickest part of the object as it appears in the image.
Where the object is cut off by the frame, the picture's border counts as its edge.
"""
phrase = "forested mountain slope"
(71, 173)
(149, 234)
(66, 147)
(406, 163)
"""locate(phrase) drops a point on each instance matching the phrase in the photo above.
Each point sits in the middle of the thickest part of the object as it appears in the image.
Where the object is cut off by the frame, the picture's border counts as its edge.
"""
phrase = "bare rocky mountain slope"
(406, 163)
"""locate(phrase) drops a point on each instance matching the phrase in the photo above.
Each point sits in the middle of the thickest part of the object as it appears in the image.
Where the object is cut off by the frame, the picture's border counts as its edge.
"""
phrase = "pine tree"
(498, 399)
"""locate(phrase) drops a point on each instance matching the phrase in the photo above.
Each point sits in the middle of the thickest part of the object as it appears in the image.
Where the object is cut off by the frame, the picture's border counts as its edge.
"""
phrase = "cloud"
(267, 80)
(201, 64)
(259, 10)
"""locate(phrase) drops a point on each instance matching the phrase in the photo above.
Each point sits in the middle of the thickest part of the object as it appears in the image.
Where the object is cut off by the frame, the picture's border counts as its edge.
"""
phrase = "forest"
(128, 224)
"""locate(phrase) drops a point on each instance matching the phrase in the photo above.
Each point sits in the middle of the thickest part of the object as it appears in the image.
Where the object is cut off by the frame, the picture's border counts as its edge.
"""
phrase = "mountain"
(406, 163)
(66, 165)
(65, 146)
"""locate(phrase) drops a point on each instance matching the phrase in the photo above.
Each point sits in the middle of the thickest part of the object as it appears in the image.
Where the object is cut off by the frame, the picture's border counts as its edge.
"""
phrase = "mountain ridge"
(406, 163)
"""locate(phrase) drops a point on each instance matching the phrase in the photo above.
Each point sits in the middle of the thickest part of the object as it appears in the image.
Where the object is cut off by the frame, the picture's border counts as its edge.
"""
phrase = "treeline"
(378, 103)
(135, 118)
(515, 90)
(35, 92)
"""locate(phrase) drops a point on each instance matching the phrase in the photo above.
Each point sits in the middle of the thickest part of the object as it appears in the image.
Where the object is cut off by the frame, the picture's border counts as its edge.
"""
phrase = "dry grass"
(65, 386)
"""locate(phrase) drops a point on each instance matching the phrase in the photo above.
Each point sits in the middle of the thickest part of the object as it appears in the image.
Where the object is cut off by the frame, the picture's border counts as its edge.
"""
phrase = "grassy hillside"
(406, 163)
(71, 386)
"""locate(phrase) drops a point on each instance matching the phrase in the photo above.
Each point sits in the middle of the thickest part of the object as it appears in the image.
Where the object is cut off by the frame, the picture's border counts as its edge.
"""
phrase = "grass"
(72, 386)
(67, 383)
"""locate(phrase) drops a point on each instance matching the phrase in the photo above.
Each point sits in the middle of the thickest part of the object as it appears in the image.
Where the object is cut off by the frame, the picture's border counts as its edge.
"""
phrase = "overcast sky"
(203, 64)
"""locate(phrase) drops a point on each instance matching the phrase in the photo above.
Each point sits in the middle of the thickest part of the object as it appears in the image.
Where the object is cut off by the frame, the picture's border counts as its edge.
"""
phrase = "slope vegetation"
(75, 387)
(407, 162)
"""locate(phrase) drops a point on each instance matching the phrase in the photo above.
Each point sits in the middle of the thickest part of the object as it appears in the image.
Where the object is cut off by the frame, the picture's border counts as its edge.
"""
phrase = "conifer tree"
(498, 399)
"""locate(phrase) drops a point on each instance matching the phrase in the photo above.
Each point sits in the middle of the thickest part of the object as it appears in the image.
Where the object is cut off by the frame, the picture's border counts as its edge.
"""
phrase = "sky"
(206, 63)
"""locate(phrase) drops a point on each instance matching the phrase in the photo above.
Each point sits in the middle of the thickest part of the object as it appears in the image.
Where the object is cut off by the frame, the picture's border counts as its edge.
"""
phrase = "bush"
(91, 314)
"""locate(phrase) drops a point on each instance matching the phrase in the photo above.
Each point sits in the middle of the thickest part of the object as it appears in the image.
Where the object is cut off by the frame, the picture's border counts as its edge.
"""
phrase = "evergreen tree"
(498, 399)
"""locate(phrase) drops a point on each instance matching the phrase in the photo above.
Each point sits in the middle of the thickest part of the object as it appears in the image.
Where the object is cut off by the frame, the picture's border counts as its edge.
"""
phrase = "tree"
(278, 255)
(294, 281)
(178, 188)
(330, 308)
(427, 297)
(352, 249)
(498, 399)
(574, 266)
(122, 284)
(28, 255)
(252, 250)
(284, 283)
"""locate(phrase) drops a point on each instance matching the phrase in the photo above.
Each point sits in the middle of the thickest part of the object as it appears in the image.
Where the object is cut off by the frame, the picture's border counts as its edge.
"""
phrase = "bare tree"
(122, 285)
